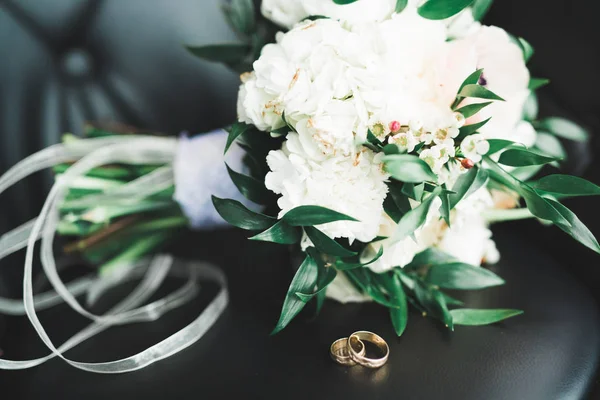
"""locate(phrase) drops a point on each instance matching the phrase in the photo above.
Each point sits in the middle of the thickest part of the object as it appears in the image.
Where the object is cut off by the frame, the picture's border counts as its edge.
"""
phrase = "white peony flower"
(474, 146)
(255, 106)
(285, 13)
(504, 73)
(353, 185)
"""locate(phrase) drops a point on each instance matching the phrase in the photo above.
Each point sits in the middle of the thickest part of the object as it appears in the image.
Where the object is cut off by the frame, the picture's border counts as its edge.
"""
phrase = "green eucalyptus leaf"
(232, 53)
(536, 83)
(497, 145)
(428, 257)
(468, 184)
(325, 244)
(313, 215)
(540, 207)
(416, 217)
(474, 317)
(413, 191)
(526, 47)
(549, 144)
(479, 92)
(566, 186)
(281, 233)
(434, 302)
(445, 207)
(461, 276)
(575, 227)
(234, 132)
(472, 109)
(472, 79)
(304, 281)
(252, 189)
(522, 157)
(390, 149)
(393, 286)
(324, 280)
(564, 128)
(240, 15)
(401, 5)
(442, 9)
(531, 108)
(238, 215)
(471, 129)
(480, 8)
(341, 265)
(408, 168)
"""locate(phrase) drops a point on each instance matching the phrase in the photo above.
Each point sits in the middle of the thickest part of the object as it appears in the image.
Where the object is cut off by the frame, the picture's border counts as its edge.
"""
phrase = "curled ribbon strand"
(94, 153)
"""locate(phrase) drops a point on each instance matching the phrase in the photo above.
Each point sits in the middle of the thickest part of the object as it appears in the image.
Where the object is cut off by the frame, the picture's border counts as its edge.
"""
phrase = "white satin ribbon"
(95, 153)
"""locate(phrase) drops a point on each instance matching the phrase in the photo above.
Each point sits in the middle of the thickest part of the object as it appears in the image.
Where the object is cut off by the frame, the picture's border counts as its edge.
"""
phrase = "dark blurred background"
(68, 61)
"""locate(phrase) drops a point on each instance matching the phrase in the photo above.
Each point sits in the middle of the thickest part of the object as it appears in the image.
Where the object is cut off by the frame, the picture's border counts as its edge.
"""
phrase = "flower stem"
(507, 215)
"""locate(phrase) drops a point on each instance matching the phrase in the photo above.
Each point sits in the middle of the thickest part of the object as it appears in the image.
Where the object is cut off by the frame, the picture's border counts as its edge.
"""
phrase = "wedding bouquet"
(378, 137)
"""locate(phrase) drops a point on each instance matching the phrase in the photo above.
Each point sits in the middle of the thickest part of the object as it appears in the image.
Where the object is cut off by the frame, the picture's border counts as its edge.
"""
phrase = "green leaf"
(401, 5)
(396, 191)
(281, 233)
(240, 15)
(341, 265)
(540, 207)
(362, 277)
(451, 301)
(478, 92)
(566, 186)
(413, 191)
(497, 145)
(471, 129)
(472, 79)
(531, 108)
(526, 47)
(393, 287)
(324, 280)
(468, 184)
(430, 256)
(343, 2)
(523, 157)
(233, 53)
(238, 215)
(371, 138)
(325, 244)
(550, 145)
(461, 276)
(526, 173)
(252, 189)
(473, 317)
(304, 281)
(564, 128)
(390, 149)
(313, 215)
(536, 83)
(442, 9)
(472, 109)
(434, 302)
(234, 132)
(575, 227)
(445, 207)
(391, 209)
(480, 8)
(408, 168)
(416, 217)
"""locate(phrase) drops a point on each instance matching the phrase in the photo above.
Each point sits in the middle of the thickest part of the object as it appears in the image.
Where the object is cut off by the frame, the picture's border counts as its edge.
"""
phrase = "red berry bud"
(395, 126)
(467, 163)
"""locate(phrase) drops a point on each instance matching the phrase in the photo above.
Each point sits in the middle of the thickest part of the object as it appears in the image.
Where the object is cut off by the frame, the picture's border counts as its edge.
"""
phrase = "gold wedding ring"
(356, 349)
(339, 352)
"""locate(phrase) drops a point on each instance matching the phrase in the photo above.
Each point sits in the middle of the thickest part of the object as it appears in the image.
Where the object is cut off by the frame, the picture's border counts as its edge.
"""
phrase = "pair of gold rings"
(352, 350)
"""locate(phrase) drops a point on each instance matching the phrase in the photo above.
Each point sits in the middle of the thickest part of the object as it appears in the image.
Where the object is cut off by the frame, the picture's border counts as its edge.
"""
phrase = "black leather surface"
(549, 353)
(67, 61)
